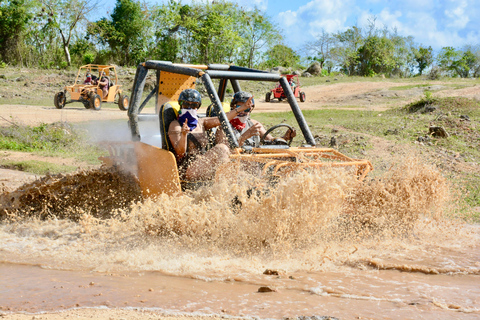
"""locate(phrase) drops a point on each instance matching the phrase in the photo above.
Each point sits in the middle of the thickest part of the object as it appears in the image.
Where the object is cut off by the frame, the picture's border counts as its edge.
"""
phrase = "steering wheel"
(277, 141)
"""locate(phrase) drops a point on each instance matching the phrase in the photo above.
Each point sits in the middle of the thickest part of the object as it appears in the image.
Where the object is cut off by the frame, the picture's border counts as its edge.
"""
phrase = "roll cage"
(172, 78)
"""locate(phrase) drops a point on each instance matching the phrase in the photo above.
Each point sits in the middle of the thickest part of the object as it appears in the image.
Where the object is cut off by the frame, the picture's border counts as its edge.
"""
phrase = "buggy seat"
(168, 113)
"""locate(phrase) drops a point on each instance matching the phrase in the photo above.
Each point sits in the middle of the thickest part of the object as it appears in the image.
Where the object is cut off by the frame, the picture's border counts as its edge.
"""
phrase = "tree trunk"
(65, 49)
(67, 55)
(250, 58)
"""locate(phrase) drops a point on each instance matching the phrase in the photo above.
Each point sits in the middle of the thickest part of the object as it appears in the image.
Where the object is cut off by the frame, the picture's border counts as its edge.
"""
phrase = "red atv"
(280, 95)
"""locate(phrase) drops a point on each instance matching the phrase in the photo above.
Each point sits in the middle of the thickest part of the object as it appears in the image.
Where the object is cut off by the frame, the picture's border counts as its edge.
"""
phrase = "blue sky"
(432, 23)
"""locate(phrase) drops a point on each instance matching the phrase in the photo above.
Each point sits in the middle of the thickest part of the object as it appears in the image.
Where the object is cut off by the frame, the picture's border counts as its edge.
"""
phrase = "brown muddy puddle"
(386, 249)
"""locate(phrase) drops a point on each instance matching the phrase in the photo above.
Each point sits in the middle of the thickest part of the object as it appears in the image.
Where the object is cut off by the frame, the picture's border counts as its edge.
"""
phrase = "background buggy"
(90, 94)
(279, 93)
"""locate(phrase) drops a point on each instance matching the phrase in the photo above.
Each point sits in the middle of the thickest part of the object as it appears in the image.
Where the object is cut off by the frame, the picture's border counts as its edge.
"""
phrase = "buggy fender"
(157, 170)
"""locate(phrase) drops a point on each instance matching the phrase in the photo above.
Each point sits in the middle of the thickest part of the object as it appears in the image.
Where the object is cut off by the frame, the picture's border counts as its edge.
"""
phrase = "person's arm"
(290, 134)
(178, 137)
(212, 122)
(256, 130)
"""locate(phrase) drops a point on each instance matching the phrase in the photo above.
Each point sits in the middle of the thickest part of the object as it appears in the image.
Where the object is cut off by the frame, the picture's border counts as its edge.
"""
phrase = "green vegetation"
(61, 33)
(57, 139)
(37, 167)
(410, 86)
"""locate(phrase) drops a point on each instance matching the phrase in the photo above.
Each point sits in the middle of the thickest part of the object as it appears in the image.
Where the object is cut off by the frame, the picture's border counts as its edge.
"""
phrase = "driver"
(88, 78)
(246, 130)
(188, 136)
(104, 83)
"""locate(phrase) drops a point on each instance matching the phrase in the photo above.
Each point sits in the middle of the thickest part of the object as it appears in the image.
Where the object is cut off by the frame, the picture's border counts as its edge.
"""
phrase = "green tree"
(475, 59)
(167, 21)
(126, 33)
(41, 45)
(461, 63)
(345, 49)
(214, 31)
(376, 56)
(82, 51)
(257, 33)
(14, 18)
(321, 48)
(281, 55)
(423, 57)
(403, 55)
(65, 16)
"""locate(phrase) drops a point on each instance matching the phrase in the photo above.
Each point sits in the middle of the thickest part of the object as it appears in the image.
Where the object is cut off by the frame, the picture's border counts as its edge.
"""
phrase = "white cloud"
(288, 19)
(457, 15)
(430, 22)
(310, 19)
(260, 4)
(328, 25)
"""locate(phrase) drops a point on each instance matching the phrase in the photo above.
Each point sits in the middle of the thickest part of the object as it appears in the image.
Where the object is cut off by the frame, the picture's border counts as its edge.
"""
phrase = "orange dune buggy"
(90, 93)
(278, 92)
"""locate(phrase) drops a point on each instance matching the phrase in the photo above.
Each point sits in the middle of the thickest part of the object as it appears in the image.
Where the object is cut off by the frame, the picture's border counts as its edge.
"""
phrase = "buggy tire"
(123, 102)
(96, 102)
(59, 100)
(268, 96)
(87, 103)
(302, 96)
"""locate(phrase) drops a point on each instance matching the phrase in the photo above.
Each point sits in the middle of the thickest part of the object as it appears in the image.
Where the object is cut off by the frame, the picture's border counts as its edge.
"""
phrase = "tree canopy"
(58, 33)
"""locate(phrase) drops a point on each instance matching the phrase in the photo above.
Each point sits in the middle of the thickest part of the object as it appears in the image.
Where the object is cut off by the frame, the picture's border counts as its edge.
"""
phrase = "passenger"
(188, 136)
(292, 84)
(246, 130)
(88, 79)
(104, 83)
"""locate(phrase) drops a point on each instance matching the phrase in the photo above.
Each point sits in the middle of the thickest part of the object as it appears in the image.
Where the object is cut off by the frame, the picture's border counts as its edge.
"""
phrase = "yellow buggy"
(152, 157)
(90, 93)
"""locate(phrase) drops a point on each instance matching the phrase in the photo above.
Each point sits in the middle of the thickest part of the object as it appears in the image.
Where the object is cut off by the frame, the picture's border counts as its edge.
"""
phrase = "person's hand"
(185, 128)
(254, 130)
(248, 104)
(290, 134)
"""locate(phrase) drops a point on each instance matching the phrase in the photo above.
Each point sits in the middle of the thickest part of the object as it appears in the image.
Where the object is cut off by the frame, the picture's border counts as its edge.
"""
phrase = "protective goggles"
(190, 105)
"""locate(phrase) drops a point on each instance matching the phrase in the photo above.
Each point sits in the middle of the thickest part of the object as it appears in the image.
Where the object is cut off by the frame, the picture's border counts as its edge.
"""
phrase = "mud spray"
(316, 222)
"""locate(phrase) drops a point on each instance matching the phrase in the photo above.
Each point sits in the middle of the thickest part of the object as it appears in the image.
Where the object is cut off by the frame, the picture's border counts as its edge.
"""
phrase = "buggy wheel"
(96, 102)
(59, 100)
(268, 96)
(123, 102)
(302, 96)
(87, 103)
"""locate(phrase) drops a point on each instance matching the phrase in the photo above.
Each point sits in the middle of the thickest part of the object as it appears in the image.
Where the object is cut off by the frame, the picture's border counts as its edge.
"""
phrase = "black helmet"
(241, 96)
(190, 95)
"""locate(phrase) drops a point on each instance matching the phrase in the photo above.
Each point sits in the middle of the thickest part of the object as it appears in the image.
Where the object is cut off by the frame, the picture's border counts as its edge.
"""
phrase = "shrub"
(434, 74)
(88, 58)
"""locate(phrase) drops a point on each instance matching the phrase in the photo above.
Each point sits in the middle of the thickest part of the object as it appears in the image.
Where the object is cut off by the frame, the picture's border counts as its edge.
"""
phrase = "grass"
(37, 167)
(410, 86)
(57, 139)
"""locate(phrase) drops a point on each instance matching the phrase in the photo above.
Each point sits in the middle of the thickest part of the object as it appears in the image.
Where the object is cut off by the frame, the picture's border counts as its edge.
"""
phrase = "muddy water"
(389, 248)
